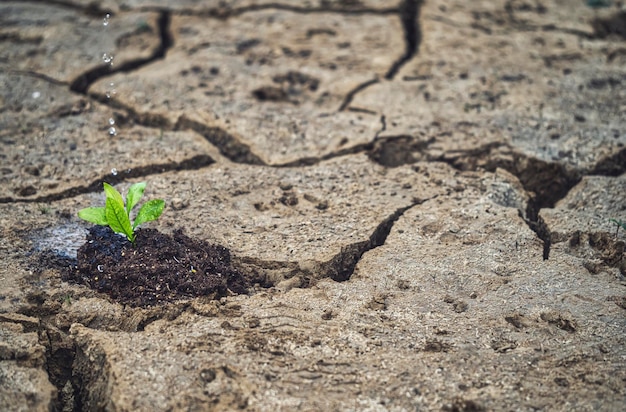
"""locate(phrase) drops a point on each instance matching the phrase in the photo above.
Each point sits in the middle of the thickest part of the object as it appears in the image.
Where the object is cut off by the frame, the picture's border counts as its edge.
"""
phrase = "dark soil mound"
(158, 268)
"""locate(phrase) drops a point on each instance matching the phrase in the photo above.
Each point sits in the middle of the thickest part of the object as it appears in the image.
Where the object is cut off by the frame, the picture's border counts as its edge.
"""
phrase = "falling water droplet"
(112, 130)
(108, 58)
(111, 91)
(114, 172)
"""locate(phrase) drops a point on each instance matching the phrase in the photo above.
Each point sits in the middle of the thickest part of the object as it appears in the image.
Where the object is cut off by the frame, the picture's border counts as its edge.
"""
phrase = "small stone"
(178, 203)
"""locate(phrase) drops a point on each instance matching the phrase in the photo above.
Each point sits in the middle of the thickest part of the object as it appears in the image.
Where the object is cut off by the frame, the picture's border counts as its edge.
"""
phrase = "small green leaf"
(116, 214)
(118, 219)
(151, 210)
(135, 192)
(112, 193)
(95, 215)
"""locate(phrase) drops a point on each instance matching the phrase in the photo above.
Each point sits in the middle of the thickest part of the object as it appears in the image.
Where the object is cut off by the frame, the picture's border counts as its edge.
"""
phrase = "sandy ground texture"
(423, 189)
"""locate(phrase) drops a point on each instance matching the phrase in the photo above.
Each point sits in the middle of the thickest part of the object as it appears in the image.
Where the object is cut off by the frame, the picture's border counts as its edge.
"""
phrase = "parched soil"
(415, 201)
(157, 268)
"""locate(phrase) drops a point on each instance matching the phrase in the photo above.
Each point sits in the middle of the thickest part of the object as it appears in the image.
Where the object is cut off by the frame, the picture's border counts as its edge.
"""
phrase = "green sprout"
(619, 224)
(116, 215)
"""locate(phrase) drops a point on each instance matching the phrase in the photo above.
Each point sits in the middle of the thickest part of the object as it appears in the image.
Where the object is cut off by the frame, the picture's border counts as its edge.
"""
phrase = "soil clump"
(158, 268)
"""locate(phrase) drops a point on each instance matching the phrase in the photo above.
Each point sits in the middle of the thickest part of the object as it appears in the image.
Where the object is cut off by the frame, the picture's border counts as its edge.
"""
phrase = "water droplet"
(108, 58)
(111, 91)
(112, 131)
(36, 95)
(111, 121)
(105, 21)
(114, 172)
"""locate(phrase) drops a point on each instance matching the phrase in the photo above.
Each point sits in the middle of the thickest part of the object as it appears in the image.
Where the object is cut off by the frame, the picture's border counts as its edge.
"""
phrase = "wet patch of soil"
(158, 268)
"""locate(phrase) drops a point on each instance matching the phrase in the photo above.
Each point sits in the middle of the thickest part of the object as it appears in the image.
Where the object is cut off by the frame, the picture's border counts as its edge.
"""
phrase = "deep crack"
(536, 223)
(342, 266)
(545, 182)
(59, 349)
(409, 16)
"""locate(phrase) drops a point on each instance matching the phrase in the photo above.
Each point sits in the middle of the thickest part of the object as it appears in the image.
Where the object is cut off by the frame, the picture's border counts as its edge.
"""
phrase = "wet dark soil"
(158, 268)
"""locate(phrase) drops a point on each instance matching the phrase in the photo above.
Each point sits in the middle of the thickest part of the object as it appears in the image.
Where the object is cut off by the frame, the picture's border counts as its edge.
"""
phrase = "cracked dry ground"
(425, 189)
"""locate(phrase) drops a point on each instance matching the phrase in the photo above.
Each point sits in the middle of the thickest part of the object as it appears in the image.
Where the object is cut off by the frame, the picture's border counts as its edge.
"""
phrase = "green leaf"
(95, 215)
(118, 219)
(112, 193)
(135, 192)
(151, 210)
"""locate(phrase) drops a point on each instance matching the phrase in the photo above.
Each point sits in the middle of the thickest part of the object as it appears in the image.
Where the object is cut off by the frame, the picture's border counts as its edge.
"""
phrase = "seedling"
(619, 224)
(116, 215)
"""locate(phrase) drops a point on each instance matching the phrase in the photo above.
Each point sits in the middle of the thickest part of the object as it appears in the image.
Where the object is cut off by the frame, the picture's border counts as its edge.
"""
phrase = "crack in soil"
(340, 267)
(60, 355)
(408, 11)
(229, 146)
(193, 163)
(383, 126)
(545, 182)
(313, 160)
(409, 15)
(146, 119)
(350, 95)
(59, 350)
(536, 223)
(82, 83)
(550, 182)
(356, 149)
(394, 151)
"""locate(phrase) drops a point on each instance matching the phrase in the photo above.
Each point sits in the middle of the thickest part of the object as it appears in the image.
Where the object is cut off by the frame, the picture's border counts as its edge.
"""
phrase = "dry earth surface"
(424, 188)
